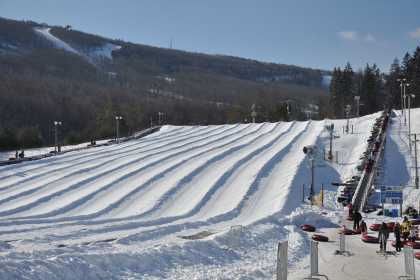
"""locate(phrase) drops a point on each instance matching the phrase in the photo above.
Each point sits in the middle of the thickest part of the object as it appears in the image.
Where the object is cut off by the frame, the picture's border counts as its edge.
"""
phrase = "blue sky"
(314, 33)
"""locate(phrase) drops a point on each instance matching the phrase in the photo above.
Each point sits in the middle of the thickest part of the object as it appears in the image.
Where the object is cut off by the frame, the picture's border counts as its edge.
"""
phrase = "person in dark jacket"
(357, 217)
(383, 237)
(397, 234)
(363, 227)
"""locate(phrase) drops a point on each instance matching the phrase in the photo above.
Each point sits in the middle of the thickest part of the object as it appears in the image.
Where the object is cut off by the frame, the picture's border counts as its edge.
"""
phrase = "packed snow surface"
(187, 202)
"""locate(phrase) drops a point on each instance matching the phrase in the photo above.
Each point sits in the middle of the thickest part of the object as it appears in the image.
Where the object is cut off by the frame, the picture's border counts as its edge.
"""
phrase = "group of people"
(406, 230)
(402, 232)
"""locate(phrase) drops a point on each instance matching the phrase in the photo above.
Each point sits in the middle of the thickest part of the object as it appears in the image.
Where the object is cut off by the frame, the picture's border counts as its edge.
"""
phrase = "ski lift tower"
(253, 113)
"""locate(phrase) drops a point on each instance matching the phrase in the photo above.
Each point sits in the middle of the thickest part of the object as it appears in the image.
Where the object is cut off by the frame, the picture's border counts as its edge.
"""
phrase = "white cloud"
(370, 38)
(348, 35)
(415, 34)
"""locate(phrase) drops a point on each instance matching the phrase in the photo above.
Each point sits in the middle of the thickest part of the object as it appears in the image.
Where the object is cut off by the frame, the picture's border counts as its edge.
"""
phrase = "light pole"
(57, 145)
(253, 113)
(409, 118)
(117, 120)
(403, 85)
(402, 82)
(160, 114)
(357, 99)
(347, 110)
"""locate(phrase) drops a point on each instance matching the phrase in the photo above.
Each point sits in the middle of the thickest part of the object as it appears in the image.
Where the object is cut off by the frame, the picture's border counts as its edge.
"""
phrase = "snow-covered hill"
(92, 54)
(203, 202)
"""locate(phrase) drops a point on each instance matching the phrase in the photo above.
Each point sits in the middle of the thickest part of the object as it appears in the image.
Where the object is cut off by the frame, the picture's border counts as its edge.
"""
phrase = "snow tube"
(415, 222)
(307, 227)
(417, 255)
(369, 238)
(346, 231)
(375, 227)
(319, 237)
(357, 231)
(414, 245)
(403, 243)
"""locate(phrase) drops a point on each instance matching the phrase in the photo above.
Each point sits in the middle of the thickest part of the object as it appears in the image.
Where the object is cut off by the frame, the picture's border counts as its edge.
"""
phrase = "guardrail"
(368, 177)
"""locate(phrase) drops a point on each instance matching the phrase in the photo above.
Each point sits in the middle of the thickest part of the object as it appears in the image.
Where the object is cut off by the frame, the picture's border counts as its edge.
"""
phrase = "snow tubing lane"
(309, 228)
(414, 245)
(369, 239)
(320, 238)
(417, 255)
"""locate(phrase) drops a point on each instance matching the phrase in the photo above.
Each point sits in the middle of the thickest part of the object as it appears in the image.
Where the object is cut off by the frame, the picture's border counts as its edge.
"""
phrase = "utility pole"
(117, 119)
(57, 145)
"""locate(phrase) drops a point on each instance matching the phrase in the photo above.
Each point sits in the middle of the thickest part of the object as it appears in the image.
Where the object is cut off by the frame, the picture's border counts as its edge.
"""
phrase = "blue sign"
(392, 195)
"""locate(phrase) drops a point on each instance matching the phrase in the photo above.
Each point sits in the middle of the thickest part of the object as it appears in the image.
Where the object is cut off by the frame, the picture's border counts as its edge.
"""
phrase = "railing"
(368, 177)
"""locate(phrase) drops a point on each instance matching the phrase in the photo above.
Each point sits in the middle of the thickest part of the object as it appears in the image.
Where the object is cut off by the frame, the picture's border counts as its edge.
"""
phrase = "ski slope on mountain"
(188, 201)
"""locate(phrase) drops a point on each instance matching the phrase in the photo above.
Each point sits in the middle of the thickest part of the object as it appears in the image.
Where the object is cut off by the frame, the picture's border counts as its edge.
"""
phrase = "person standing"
(363, 227)
(356, 218)
(397, 234)
(412, 236)
(383, 237)
(405, 228)
(350, 206)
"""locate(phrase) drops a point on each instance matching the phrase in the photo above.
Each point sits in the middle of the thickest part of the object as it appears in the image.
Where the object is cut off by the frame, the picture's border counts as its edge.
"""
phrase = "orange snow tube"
(307, 227)
(369, 238)
(415, 245)
(417, 255)
(320, 238)
(375, 227)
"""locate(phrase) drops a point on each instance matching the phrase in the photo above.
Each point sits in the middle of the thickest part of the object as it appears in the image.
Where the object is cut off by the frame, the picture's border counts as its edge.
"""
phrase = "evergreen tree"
(415, 77)
(393, 86)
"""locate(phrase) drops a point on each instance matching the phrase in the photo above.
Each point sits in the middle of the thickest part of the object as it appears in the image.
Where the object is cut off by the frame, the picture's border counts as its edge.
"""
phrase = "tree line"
(375, 89)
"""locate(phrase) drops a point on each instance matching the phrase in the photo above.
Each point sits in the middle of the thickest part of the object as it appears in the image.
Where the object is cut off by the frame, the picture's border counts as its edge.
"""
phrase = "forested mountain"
(53, 73)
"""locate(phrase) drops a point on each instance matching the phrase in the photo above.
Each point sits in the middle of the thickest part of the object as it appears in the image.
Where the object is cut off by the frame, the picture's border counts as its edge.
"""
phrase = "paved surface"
(362, 263)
